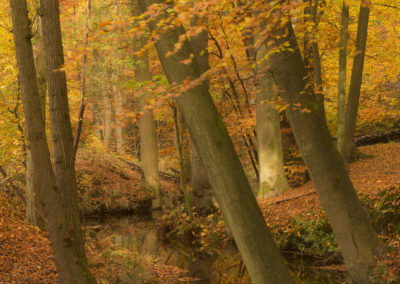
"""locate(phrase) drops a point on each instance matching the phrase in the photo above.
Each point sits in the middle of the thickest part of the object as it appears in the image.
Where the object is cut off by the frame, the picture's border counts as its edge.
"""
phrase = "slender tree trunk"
(32, 196)
(147, 128)
(211, 139)
(149, 155)
(269, 145)
(356, 80)
(96, 97)
(182, 174)
(58, 204)
(341, 111)
(83, 78)
(118, 116)
(96, 118)
(118, 99)
(349, 220)
(317, 61)
(184, 147)
(201, 192)
(108, 121)
(312, 60)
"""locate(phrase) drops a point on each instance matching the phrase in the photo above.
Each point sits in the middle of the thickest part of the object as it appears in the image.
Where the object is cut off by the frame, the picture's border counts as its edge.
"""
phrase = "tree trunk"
(349, 220)
(356, 80)
(147, 127)
(58, 204)
(96, 119)
(211, 139)
(64, 156)
(32, 196)
(341, 111)
(312, 60)
(183, 173)
(118, 115)
(118, 99)
(83, 79)
(201, 192)
(108, 127)
(269, 144)
(149, 155)
(317, 61)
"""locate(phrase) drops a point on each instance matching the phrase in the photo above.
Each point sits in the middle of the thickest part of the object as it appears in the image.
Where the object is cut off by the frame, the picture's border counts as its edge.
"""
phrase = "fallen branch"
(382, 137)
(295, 197)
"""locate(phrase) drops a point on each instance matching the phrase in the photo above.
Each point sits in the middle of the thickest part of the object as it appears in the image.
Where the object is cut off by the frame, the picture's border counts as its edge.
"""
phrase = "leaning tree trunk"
(59, 209)
(31, 184)
(349, 220)
(224, 170)
(201, 191)
(269, 145)
(147, 127)
(356, 80)
(341, 110)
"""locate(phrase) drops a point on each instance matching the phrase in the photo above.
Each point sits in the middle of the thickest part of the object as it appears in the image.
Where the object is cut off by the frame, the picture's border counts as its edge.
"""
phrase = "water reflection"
(139, 235)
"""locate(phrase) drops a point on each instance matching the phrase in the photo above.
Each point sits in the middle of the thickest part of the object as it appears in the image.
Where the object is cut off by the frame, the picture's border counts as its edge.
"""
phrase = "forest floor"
(26, 257)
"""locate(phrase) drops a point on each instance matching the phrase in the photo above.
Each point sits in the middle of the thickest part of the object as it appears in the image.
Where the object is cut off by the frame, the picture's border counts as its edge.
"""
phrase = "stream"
(139, 235)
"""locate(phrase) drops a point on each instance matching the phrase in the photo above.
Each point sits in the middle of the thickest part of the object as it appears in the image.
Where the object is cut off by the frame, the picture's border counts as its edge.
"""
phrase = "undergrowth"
(384, 210)
(313, 238)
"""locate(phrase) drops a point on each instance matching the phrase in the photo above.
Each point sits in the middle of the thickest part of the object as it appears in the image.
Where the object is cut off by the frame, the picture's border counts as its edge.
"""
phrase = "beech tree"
(56, 190)
(349, 220)
(31, 185)
(341, 108)
(147, 127)
(347, 113)
(201, 191)
(211, 139)
(356, 80)
(269, 144)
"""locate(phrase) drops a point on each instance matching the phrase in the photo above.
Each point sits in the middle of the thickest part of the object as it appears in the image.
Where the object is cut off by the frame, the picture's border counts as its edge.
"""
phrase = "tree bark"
(350, 223)
(201, 191)
(64, 157)
(83, 79)
(108, 127)
(118, 99)
(269, 145)
(147, 127)
(96, 119)
(312, 60)
(341, 111)
(58, 204)
(31, 184)
(356, 80)
(211, 139)
(119, 136)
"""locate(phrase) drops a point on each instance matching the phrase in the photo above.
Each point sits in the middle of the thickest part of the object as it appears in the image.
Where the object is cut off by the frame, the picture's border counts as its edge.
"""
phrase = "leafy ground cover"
(295, 217)
(110, 183)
